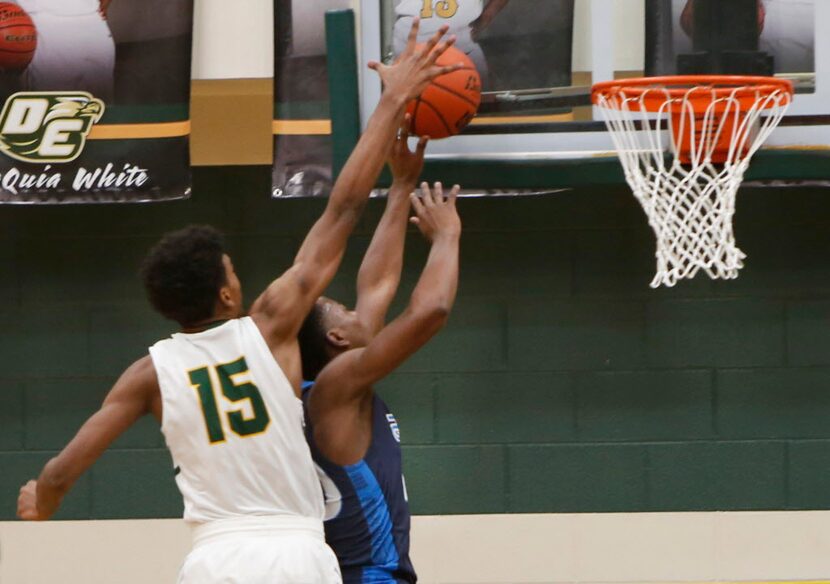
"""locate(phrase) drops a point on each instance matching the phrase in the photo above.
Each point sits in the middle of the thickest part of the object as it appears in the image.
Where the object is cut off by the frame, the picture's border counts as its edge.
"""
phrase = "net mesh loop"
(685, 152)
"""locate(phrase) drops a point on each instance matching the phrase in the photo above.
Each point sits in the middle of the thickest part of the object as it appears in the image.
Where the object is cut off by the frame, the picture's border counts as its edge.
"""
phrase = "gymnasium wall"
(587, 548)
(562, 383)
(233, 40)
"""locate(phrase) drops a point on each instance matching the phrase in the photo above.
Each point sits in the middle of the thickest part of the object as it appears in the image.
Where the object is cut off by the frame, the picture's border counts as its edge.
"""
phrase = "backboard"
(539, 59)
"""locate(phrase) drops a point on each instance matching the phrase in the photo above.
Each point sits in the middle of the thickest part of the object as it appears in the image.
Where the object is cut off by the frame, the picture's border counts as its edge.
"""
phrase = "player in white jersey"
(226, 387)
(75, 50)
(465, 18)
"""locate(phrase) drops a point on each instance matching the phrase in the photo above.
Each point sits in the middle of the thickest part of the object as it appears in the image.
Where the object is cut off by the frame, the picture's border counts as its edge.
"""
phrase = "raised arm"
(280, 310)
(133, 395)
(351, 375)
(380, 272)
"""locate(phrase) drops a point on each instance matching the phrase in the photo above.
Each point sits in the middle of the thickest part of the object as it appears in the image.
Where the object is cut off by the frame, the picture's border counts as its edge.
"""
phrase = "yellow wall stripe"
(507, 120)
(323, 127)
(302, 127)
(126, 131)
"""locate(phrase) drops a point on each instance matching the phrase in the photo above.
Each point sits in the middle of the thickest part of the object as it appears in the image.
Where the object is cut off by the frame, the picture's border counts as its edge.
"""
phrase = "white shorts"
(260, 550)
(74, 53)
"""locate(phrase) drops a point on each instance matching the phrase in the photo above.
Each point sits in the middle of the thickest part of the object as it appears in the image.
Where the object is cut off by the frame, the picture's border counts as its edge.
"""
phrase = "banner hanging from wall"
(503, 38)
(302, 129)
(95, 100)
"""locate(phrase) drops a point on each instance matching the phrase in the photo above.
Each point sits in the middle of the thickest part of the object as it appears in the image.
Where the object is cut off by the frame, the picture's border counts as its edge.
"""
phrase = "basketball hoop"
(711, 126)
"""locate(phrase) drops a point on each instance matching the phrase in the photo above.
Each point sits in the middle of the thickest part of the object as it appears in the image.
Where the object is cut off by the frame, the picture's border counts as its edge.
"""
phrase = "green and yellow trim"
(323, 127)
(301, 127)
(139, 131)
(508, 120)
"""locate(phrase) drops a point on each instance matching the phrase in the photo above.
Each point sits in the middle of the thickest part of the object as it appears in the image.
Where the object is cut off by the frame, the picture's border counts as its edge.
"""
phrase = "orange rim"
(745, 88)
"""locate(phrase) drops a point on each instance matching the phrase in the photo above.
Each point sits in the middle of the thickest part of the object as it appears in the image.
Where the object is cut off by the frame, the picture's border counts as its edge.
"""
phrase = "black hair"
(183, 274)
(312, 339)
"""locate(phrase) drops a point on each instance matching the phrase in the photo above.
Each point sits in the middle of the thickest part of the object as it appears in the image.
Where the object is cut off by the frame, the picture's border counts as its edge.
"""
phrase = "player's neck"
(203, 326)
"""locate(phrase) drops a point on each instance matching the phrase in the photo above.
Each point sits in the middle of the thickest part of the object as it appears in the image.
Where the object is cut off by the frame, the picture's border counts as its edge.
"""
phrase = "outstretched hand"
(435, 215)
(416, 66)
(27, 502)
(405, 164)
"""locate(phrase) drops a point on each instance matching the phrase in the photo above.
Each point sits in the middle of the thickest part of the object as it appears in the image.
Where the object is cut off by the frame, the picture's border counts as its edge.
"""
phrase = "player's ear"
(336, 338)
(225, 297)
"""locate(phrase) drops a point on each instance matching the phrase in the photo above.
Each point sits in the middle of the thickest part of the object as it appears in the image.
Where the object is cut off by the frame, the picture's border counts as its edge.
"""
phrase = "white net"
(685, 167)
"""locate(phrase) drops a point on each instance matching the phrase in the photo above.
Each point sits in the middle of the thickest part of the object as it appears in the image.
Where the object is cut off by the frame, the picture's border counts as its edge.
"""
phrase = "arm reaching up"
(350, 376)
(280, 310)
(380, 272)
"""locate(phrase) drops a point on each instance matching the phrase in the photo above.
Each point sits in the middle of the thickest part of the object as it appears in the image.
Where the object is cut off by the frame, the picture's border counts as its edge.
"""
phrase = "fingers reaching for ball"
(416, 66)
(436, 215)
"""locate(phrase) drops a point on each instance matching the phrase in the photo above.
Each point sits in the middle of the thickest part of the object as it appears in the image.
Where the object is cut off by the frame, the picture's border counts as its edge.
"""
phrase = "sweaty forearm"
(361, 171)
(438, 283)
(52, 486)
(380, 272)
(384, 258)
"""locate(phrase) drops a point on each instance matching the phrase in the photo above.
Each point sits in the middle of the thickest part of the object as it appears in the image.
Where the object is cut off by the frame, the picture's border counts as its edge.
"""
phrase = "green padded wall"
(562, 383)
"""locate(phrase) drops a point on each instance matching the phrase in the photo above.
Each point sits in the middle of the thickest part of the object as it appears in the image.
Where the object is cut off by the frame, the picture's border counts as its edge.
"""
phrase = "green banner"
(95, 100)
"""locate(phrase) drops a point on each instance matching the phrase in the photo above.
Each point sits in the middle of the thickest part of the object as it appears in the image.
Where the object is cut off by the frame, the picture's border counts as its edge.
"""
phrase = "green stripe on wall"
(306, 110)
(145, 114)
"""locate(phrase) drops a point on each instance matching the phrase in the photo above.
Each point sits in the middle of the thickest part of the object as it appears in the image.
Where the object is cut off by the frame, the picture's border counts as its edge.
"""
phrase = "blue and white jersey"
(367, 522)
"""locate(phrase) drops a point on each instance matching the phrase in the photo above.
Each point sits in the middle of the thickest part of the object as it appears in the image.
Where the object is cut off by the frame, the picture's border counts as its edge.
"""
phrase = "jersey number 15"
(201, 381)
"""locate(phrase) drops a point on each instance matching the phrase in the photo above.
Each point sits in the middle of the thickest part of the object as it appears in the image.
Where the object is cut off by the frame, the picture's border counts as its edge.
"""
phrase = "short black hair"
(183, 273)
(312, 339)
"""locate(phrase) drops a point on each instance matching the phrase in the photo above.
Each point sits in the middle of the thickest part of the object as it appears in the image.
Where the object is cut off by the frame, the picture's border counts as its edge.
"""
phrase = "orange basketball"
(448, 104)
(18, 37)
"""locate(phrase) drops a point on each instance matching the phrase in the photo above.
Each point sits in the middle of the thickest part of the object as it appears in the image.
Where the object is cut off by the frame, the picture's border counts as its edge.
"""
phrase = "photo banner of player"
(302, 128)
(95, 100)
(502, 38)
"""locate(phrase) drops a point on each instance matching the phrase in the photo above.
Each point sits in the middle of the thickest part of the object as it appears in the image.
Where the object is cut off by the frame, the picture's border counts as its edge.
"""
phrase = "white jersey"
(234, 426)
(61, 7)
(457, 14)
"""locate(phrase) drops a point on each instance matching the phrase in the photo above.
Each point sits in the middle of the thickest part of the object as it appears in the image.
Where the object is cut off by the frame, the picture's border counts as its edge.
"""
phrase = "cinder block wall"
(563, 383)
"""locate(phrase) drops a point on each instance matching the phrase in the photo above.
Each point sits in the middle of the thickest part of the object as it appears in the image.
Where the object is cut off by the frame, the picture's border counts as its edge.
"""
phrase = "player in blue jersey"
(354, 438)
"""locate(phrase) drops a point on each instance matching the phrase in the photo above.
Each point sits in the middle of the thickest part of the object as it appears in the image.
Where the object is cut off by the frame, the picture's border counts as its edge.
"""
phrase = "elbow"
(433, 316)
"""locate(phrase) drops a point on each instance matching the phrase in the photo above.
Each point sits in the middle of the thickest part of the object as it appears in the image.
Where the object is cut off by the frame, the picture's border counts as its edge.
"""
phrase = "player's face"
(233, 286)
(345, 323)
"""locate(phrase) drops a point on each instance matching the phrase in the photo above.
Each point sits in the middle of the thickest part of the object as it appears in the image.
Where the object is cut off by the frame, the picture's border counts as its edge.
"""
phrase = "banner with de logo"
(95, 100)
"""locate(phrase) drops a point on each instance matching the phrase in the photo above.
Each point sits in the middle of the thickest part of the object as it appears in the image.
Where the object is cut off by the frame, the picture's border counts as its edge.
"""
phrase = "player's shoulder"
(142, 370)
(340, 381)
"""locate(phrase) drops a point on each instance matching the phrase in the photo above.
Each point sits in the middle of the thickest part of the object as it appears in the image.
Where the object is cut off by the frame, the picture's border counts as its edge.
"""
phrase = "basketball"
(18, 38)
(448, 104)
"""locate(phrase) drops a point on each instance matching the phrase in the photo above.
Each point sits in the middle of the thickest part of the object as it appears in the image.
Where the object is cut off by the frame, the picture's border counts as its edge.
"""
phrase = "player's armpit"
(136, 393)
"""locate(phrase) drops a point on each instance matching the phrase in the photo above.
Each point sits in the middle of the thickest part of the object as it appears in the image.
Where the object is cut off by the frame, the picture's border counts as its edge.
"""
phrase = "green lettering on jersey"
(201, 381)
(239, 423)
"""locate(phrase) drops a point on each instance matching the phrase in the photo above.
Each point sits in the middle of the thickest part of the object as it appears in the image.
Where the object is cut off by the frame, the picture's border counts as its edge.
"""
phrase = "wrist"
(446, 237)
(394, 98)
(403, 186)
